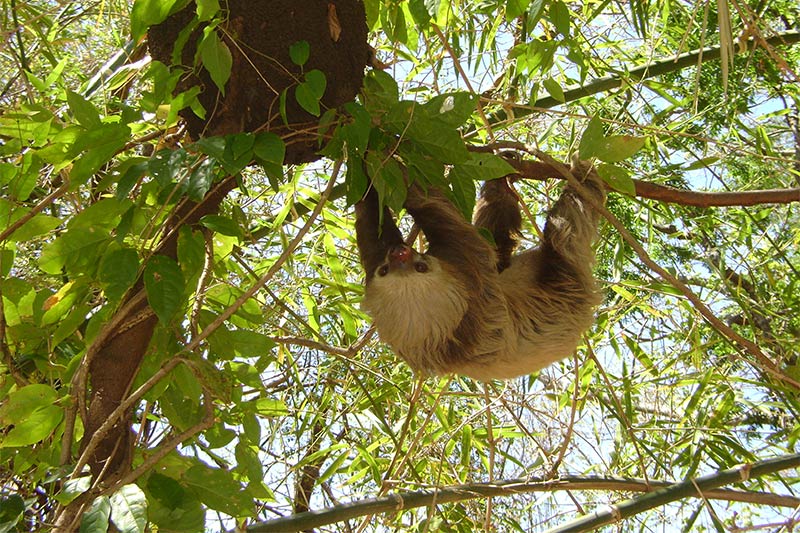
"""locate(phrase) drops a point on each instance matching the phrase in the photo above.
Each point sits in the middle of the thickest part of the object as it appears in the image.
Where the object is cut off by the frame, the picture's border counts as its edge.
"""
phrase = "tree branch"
(650, 70)
(677, 491)
(659, 493)
(539, 170)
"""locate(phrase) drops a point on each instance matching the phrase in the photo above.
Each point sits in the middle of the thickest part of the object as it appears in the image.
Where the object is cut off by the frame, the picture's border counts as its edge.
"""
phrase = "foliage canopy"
(258, 389)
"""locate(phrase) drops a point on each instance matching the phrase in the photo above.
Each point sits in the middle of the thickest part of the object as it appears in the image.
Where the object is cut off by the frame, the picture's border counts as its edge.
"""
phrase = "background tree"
(181, 342)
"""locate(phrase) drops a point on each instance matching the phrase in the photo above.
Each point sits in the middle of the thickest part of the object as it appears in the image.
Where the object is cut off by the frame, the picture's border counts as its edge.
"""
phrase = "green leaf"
(201, 179)
(419, 12)
(73, 488)
(240, 145)
(221, 224)
(515, 8)
(38, 225)
(20, 403)
(483, 167)
(248, 461)
(380, 92)
(35, 126)
(102, 143)
(129, 509)
(191, 251)
(216, 58)
(305, 97)
(70, 323)
(76, 250)
(559, 15)
(316, 82)
(310, 91)
(60, 303)
(173, 507)
(538, 56)
(269, 151)
(250, 344)
(95, 520)
(355, 179)
(387, 178)
(219, 490)
(166, 165)
(535, 13)
(23, 183)
(206, 9)
(270, 407)
(83, 111)
(163, 282)
(11, 510)
(439, 140)
(103, 214)
(36, 427)
(618, 178)
(213, 146)
(6, 261)
(554, 89)
(299, 52)
(218, 436)
(592, 137)
(617, 148)
(394, 23)
(453, 109)
(131, 171)
(462, 178)
(238, 152)
(118, 272)
(146, 13)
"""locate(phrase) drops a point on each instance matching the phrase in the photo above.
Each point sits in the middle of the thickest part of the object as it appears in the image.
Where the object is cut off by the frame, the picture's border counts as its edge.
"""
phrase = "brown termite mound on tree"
(259, 34)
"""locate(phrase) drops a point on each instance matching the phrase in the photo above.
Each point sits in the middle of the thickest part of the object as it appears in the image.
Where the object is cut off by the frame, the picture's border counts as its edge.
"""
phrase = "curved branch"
(537, 170)
(658, 493)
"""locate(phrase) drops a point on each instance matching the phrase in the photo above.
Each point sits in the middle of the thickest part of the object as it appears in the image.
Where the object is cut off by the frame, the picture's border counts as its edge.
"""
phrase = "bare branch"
(658, 493)
(539, 170)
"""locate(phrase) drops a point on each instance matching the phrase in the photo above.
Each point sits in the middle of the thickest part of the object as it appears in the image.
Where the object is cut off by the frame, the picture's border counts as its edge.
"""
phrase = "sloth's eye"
(382, 271)
(421, 267)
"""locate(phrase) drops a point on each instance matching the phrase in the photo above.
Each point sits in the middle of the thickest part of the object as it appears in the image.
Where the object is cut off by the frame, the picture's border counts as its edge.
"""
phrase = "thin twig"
(35, 210)
(202, 282)
(249, 293)
(463, 74)
(120, 411)
(168, 447)
(562, 452)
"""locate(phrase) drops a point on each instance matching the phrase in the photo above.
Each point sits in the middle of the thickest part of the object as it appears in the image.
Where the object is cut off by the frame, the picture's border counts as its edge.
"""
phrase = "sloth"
(474, 308)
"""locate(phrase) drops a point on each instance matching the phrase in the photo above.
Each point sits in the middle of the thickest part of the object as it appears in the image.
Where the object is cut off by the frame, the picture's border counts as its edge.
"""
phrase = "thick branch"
(659, 493)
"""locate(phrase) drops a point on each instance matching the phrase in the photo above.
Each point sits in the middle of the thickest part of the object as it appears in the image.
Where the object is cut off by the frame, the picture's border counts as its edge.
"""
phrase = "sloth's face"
(415, 301)
(404, 260)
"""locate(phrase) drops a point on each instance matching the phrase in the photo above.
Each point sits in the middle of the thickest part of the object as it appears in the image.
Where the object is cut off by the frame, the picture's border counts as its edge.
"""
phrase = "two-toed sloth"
(468, 307)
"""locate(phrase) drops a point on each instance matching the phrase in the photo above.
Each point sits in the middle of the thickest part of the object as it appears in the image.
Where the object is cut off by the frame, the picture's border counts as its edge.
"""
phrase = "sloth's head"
(402, 260)
(414, 298)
